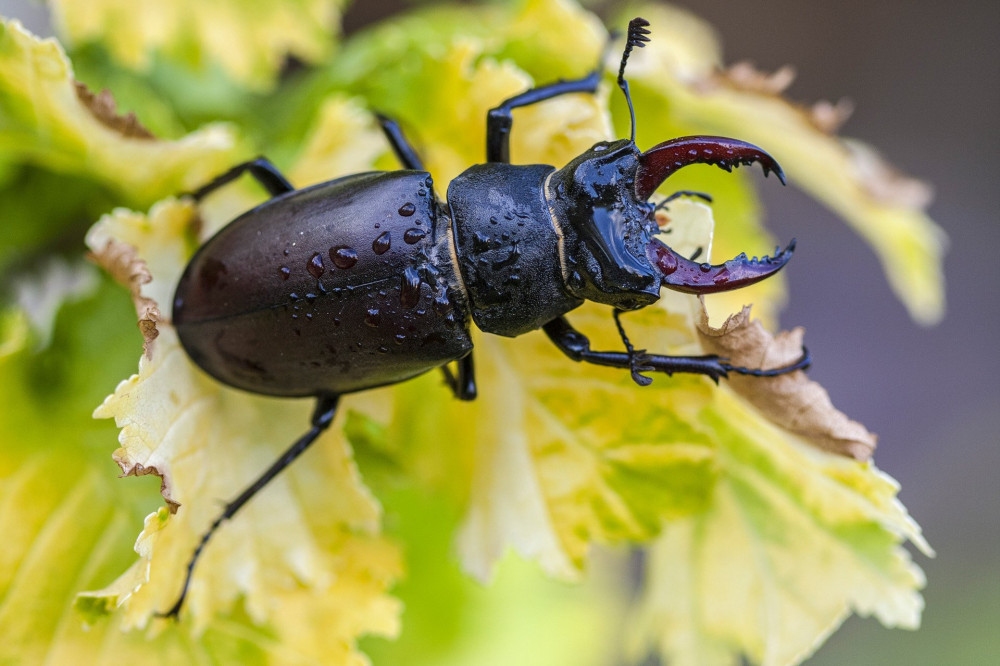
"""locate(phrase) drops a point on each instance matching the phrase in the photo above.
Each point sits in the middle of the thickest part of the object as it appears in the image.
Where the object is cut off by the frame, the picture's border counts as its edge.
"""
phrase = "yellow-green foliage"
(757, 542)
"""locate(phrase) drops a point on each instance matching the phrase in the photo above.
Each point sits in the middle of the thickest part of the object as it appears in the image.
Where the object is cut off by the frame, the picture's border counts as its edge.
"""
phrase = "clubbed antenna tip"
(637, 38)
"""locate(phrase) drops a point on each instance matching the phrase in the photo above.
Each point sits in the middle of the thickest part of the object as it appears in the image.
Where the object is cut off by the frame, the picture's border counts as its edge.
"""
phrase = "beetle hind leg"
(326, 409)
(404, 151)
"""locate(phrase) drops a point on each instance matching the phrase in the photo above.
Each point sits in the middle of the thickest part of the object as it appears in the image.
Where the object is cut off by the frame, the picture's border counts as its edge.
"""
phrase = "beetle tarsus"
(326, 409)
(803, 363)
(637, 357)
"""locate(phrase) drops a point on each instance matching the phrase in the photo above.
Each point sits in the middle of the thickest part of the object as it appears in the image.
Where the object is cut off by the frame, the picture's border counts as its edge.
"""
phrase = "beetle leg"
(500, 119)
(634, 356)
(464, 385)
(576, 345)
(326, 408)
(682, 193)
(400, 146)
(261, 169)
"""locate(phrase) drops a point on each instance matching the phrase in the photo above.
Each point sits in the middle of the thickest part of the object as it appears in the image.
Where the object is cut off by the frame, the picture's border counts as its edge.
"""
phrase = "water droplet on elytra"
(373, 318)
(414, 235)
(285, 272)
(343, 256)
(407, 209)
(382, 244)
(315, 265)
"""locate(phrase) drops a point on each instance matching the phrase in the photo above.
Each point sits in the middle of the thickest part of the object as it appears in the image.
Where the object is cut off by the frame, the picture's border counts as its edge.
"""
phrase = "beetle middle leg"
(576, 345)
(326, 409)
(462, 383)
(262, 171)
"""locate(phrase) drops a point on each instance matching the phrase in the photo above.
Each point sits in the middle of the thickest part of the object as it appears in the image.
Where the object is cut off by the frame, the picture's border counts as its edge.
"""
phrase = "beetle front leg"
(576, 345)
(499, 120)
(464, 384)
(262, 171)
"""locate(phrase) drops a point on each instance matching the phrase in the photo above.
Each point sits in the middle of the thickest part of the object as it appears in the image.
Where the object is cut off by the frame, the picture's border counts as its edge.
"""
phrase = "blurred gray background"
(925, 79)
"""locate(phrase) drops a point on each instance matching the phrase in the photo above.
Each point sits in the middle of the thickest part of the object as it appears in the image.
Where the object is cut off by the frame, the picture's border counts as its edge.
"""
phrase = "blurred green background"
(925, 79)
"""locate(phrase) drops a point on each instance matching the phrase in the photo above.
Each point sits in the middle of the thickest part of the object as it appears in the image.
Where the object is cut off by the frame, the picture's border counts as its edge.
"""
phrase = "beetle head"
(605, 227)
(600, 200)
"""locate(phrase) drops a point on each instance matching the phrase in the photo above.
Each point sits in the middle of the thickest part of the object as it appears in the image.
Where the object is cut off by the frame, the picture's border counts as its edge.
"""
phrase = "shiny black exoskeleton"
(372, 279)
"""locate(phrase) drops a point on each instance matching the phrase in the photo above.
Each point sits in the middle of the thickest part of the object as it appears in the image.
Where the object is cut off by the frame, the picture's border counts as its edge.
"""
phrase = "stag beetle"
(371, 279)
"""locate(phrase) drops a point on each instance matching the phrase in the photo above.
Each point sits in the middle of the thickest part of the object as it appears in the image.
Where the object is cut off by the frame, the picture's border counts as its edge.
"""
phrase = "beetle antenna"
(637, 37)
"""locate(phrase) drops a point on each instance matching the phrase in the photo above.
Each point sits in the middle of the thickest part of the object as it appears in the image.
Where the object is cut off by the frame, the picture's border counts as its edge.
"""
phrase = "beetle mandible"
(370, 279)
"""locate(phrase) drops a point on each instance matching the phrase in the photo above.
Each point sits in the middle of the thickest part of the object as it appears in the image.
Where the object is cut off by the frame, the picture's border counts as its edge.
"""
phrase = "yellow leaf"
(449, 126)
(47, 118)
(343, 139)
(559, 463)
(794, 541)
(768, 542)
(249, 42)
(307, 561)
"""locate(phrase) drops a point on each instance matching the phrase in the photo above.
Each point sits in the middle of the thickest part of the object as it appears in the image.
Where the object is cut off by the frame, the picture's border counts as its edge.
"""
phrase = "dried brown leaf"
(122, 262)
(103, 106)
(745, 76)
(883, 182)
(830, 116)
(792, 401)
